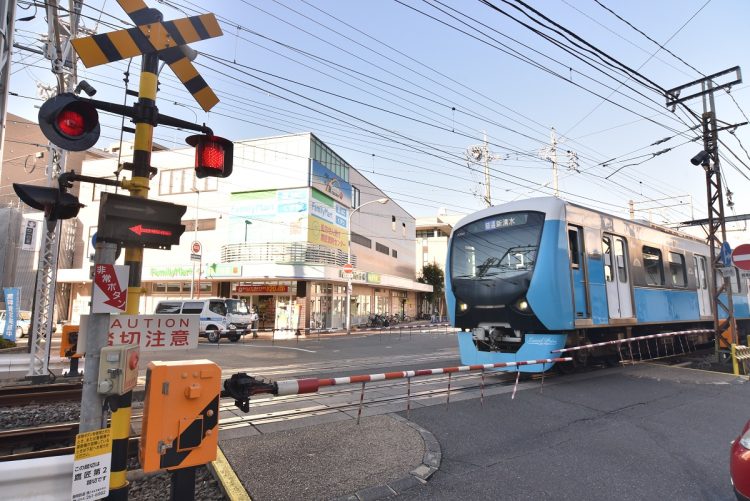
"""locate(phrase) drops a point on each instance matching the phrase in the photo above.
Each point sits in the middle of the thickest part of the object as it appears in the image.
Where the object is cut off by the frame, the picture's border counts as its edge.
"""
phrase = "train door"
(701, 280)
(578, 271)
(616, 276)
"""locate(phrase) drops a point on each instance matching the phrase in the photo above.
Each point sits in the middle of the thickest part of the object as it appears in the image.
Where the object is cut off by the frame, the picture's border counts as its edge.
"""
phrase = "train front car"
(508, 283)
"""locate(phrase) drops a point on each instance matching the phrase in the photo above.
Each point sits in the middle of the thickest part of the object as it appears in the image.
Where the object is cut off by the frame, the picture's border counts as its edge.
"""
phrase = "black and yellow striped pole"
(138, 185)
(152, 38)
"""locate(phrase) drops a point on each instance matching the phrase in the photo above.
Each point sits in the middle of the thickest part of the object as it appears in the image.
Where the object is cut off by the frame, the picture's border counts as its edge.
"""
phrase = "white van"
(218, 315)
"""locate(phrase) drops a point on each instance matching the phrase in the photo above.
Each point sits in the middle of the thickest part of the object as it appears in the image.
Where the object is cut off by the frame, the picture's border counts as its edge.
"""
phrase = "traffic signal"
(214, 155)
(55, 203)
(70, 122)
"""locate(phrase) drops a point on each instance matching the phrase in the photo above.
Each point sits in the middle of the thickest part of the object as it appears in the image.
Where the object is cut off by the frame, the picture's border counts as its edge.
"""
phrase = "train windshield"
(500, 245)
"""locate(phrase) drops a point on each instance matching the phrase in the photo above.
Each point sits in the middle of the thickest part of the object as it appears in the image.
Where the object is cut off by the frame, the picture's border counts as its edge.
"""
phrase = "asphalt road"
(339, 355)
(632, 433)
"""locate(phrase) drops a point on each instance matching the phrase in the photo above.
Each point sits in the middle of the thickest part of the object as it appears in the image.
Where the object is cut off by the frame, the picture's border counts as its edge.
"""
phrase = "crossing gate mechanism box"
(118, 369)
(69, 342)
(180, 415)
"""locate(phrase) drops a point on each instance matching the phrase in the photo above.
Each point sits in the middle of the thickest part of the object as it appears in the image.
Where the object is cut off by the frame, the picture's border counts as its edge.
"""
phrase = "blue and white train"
(531, 276)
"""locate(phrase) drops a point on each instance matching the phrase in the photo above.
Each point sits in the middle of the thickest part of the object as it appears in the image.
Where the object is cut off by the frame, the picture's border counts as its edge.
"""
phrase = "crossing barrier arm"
(242, 386)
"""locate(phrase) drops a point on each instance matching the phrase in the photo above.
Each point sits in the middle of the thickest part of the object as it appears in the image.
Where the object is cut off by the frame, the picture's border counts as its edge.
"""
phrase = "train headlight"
(463, 306)
(522, 306)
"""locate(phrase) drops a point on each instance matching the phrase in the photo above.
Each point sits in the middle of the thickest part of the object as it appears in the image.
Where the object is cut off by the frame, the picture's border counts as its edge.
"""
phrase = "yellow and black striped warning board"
(122, 44)
(151, 35)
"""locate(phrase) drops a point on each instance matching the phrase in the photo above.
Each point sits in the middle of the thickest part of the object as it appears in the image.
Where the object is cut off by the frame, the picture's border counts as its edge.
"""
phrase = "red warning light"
(213, 155)
(71, 123)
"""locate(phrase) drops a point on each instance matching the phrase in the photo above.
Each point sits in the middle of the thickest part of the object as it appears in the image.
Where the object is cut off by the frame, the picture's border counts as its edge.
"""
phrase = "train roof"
(556, 206)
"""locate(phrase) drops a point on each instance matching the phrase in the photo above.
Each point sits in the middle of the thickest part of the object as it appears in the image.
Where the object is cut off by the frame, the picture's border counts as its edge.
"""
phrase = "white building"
(432, 239)
(275, 233)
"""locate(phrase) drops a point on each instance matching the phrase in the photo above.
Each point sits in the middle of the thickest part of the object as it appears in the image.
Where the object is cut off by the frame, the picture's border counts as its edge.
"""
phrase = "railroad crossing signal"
(69, 122)
(138, 222)
(154, 35)
(214, 155)
(56, 203)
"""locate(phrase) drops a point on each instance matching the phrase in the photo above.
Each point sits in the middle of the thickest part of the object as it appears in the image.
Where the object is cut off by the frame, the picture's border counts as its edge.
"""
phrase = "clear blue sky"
(379, 80)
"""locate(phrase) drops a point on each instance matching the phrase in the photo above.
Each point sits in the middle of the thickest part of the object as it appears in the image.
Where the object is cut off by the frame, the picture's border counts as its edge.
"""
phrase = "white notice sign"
(155, 332)
(91, 465)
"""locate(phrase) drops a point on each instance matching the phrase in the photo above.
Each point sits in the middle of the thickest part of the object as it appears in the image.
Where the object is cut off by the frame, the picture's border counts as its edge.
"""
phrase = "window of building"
(652, 266)
(355, 197)
(382, 248)
(431, 233)
(329, 159)
(403, 229)
(363, 241)
(90, 249)
(205, 287)
(677, 269)
(203, 224)
(175, 181)
(394, 253)
(393, 223)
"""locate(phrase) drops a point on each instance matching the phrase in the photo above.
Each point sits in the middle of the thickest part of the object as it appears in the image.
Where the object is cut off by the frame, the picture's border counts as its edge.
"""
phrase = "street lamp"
(383, 200)
(247, 223)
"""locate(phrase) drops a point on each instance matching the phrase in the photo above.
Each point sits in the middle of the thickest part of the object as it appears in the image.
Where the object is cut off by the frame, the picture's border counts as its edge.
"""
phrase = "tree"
(433, 274)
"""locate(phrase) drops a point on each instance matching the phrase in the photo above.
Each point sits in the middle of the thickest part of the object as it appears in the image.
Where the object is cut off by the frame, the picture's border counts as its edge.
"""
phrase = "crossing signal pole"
(721, 298)
(71, 122)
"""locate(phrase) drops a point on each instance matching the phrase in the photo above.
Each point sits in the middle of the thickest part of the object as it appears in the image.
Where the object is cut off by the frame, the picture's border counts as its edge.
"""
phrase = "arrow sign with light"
(141, 230)
(138, 222)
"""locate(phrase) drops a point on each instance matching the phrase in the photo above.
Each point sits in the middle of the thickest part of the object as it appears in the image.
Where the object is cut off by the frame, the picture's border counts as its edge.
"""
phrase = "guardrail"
(637, 340)
(740, 353)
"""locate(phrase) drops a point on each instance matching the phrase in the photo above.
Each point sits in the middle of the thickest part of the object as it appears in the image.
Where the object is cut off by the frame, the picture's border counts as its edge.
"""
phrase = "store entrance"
(266, 309)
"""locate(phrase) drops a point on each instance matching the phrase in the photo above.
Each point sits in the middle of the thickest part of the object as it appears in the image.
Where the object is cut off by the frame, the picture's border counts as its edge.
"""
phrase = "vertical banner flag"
(12, 305)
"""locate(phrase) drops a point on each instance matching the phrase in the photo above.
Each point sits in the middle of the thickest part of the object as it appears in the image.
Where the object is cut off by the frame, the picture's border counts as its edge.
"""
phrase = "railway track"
(418, 390)
(12, 396)
(305, 406)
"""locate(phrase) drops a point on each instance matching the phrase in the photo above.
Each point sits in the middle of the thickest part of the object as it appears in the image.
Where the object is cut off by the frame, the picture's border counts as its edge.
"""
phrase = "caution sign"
(91, 465)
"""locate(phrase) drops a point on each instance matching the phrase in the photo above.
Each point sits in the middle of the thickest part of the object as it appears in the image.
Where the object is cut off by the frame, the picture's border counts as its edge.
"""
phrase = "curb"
(418, 476)
(228, 481)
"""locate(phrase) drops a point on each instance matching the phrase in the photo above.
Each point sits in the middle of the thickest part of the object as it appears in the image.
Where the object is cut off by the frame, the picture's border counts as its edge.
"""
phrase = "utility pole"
(481, 153)
(60, 52)
(709, 159)
(550, 153)
(8, 13)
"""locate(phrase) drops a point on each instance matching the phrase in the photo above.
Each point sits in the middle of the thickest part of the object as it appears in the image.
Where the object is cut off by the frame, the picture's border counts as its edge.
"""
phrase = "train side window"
(607, 258)
(575, 247)
(653, 266)
(622, 272)
(677, 269)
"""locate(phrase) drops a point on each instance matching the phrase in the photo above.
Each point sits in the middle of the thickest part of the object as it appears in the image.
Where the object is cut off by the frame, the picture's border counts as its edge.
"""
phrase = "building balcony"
(284, 253)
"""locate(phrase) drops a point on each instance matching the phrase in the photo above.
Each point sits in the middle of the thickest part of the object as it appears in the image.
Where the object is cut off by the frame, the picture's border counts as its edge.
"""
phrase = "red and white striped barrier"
(311, 385)
(634, 339)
